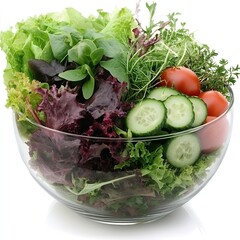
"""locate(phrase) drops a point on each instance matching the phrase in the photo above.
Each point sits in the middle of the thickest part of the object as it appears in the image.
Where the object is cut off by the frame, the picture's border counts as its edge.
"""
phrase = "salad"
(118, 86)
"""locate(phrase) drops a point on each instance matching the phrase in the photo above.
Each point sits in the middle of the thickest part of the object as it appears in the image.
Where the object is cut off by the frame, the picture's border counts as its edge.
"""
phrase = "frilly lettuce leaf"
(164, 179)
(49, 37)
(22, 97)
(120, 25)
(29, 41)
(31, 38)
(75, 19)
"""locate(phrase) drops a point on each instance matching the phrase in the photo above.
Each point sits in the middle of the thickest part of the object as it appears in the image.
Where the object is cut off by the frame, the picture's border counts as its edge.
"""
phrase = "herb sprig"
(171, 43)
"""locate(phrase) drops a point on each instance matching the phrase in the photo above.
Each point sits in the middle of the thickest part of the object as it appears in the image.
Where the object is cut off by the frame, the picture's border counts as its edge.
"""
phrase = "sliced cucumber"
(146, 118)
(183, 151)
(180, 113)
(200, 111)
(162, 93)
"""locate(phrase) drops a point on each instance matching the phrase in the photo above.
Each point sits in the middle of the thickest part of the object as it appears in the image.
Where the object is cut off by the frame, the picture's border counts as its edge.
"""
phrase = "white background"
(28, 212)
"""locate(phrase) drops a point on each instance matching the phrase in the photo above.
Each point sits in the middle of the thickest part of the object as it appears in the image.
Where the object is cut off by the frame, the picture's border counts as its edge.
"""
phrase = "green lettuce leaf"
(22, 97)
(75, 19)
(162, 177)
(117, 67)
(50, 37)
(30, 40)
(46, 37)
(120, 26)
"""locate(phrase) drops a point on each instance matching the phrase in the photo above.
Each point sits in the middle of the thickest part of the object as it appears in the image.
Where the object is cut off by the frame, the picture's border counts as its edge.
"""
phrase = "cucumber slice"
(183, 151)
(200, 111)
(146, 118)
(162, 93)
(180, 113)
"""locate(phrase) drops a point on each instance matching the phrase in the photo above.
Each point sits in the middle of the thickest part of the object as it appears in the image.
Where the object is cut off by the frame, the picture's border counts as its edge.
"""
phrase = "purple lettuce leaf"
(54, 155)
(107, 98)
(57, 155)
(63, 112)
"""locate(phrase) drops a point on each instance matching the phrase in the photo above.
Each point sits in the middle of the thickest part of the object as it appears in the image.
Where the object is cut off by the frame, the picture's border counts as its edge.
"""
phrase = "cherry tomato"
(216, 102)
(213, 135)
(182, 79)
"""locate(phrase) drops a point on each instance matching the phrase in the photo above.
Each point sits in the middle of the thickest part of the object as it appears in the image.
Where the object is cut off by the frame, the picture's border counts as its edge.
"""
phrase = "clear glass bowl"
(68, 167)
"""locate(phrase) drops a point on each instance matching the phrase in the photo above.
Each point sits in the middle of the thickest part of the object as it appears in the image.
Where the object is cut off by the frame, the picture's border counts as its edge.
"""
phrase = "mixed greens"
(85, 76)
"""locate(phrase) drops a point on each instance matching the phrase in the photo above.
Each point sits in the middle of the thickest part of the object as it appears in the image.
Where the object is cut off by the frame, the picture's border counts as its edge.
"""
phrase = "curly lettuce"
(120, 25)
(163, 178)
(52, 36)
(23, 98)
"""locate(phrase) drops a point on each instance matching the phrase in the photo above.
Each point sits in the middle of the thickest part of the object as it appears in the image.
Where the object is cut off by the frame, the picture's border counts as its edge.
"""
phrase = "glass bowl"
(68, 167)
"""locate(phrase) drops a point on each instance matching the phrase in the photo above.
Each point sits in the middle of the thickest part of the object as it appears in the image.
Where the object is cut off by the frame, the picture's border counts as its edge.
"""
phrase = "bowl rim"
(135, 139)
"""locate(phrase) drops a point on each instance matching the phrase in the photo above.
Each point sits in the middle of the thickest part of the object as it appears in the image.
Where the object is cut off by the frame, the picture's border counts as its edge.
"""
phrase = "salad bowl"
(122, 124)
(81, 172)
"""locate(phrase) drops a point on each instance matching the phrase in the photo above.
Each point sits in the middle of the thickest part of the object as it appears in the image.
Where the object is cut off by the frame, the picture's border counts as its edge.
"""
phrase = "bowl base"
(123, 221)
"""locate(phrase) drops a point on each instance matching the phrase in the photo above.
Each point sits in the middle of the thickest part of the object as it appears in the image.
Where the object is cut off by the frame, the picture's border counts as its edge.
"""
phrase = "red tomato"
(216, 102)
(209, 119)
(182, 79)
(213, 136)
